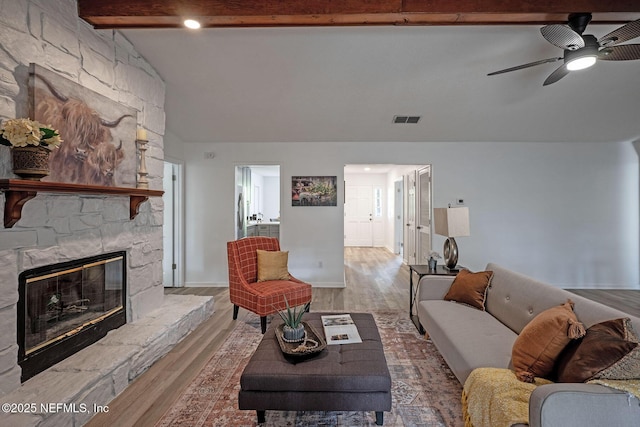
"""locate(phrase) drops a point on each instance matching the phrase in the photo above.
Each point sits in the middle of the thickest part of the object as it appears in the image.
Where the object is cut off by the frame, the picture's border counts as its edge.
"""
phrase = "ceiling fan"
(582, 51)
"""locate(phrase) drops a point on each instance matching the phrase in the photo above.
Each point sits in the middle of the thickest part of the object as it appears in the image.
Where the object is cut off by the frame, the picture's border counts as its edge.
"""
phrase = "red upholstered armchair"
(262, 298)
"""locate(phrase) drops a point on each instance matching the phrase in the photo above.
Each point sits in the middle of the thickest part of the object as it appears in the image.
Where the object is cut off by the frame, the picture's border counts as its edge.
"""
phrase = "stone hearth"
(73, 389)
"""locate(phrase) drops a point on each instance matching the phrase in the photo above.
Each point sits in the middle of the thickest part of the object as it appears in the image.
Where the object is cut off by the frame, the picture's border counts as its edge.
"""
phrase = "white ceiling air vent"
(406, 119)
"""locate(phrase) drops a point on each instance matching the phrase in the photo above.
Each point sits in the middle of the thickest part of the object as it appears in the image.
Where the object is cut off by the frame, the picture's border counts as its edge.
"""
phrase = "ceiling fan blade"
(562, 36)
(624, 52)
(625, 33)
(523, 66)
(559, 73)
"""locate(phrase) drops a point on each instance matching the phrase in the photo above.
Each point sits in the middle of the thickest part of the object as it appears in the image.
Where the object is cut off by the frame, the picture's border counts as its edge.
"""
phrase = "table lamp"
(451, 222)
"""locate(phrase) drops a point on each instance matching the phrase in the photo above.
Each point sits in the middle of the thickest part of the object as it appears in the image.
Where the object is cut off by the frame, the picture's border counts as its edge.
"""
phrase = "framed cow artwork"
(98, 133)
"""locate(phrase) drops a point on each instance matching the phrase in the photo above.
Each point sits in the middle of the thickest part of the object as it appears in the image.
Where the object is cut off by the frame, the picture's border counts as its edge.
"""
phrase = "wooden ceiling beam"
(265, 13)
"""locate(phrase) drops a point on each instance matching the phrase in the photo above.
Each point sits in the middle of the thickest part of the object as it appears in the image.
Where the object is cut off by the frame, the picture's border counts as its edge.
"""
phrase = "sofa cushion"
(540, 343)
(470, 288)
(466, 337)
(609, 350)
(272, 265)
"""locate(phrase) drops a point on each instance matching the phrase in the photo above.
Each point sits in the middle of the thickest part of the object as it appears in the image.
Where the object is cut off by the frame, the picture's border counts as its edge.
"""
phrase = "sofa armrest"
(434, 287)
(578, 404)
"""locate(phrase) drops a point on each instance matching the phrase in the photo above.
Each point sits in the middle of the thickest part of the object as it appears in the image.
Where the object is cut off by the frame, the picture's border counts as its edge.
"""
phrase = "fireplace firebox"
(65, 307)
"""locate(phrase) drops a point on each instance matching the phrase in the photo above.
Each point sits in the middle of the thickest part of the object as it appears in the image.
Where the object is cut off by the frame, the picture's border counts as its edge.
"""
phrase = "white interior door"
(410, 218)
(423, 217)
(398, 222)
(172, 235)
(377, 219)
(358, 213)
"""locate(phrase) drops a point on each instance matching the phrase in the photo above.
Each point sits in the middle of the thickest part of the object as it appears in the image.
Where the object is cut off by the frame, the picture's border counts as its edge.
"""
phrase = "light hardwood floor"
(376, 279)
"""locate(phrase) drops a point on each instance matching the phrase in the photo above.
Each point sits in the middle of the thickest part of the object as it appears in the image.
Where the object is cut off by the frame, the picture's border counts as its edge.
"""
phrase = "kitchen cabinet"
(268, 229)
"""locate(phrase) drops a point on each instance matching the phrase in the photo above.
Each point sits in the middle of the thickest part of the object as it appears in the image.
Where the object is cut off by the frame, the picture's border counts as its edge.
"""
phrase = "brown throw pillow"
(272, 265)
(609, 350)
(541, 341)
(470, 288)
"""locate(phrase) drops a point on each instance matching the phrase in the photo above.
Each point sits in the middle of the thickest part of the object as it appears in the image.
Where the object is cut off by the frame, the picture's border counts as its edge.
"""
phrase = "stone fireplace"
(65, 307)
(60, 228)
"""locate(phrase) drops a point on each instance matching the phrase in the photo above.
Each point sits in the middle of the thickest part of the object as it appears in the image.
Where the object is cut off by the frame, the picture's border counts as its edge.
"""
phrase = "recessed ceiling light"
(367, 168)
(191, 23)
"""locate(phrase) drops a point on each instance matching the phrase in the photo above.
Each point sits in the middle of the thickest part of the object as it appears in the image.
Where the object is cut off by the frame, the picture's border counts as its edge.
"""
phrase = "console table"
(422, 270)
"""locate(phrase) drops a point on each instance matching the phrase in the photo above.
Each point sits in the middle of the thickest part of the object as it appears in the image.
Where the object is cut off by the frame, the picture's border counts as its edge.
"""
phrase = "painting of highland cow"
(314, 191)
(98, 133)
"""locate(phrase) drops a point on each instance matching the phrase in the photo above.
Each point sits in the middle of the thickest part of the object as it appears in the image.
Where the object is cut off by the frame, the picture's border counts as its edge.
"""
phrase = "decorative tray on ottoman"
(312, 344)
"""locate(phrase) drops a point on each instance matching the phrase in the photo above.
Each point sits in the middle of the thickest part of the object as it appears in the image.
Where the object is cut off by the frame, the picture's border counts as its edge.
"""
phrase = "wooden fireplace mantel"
(19, 191)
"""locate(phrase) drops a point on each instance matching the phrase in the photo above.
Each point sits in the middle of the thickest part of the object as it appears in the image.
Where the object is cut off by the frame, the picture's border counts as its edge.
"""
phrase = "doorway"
(383, 205)
(172, 234)
(257, 196)
(389, 206)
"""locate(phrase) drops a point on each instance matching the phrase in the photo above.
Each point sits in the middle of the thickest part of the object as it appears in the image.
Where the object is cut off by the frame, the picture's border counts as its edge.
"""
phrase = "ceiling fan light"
(581, 63)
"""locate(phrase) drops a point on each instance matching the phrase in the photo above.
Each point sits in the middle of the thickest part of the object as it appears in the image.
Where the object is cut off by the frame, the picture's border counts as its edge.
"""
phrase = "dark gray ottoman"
(347, 377)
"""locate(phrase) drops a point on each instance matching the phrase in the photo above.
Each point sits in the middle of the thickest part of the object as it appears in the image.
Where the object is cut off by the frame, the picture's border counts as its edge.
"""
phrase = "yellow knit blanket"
(493, 397)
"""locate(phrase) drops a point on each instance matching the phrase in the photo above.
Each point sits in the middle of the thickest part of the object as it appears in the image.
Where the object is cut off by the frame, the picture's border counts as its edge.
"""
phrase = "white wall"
(560, 212)
(271, 200)
(173, 147)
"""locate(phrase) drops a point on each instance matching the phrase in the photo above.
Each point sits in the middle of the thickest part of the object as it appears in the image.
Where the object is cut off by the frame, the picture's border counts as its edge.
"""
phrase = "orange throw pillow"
(470, 288)
(541, 341)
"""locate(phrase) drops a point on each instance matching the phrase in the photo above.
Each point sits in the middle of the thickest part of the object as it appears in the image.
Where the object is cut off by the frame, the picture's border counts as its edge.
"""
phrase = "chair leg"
(263, 324)
(235, 311)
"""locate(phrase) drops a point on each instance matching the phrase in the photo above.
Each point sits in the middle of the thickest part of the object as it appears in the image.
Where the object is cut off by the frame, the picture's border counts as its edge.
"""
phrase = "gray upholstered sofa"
(469, 338)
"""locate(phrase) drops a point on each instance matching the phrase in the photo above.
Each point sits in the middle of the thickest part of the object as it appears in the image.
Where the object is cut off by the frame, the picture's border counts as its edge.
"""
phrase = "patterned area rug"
(424, 391)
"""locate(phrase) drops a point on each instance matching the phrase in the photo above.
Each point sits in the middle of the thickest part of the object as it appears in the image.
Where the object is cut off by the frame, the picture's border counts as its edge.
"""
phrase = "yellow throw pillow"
(542, 340)
(272, 265)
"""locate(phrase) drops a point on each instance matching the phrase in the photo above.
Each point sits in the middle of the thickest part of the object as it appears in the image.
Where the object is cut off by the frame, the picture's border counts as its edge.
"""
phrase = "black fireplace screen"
(68, 306)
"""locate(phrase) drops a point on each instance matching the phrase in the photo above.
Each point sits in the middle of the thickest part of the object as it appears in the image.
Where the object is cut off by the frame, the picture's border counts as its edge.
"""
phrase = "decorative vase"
(30, 162)
(433, 263)
(293, 334)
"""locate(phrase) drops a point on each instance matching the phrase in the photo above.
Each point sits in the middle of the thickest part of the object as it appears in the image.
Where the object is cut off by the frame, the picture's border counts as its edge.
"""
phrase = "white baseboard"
(206, 285)
(328, 285)
(226, 285)
(600, 286)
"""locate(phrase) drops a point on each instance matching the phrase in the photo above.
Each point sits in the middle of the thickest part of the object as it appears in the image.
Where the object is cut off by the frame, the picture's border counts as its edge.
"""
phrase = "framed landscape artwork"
(314, 191)
(98, 133)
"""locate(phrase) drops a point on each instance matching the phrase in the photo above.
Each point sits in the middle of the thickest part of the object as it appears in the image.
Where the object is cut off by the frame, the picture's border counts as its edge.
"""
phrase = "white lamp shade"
(451, 222)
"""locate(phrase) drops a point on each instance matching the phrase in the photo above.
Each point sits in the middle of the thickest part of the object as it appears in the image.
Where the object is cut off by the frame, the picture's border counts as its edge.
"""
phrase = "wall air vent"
(406, 119)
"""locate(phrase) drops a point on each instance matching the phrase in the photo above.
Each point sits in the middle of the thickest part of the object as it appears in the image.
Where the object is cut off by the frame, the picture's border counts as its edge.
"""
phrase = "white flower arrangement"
(24, 132)
(434, 254)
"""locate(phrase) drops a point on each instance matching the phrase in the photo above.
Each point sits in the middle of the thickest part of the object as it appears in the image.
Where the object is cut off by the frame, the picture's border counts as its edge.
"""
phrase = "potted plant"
(31, 143)
(293, 329)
